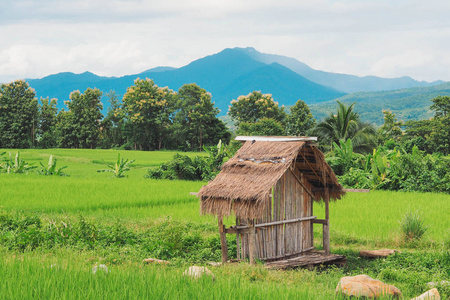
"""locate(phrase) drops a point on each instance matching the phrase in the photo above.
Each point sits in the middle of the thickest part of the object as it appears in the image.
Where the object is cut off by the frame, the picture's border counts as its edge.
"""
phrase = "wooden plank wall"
(289, 201)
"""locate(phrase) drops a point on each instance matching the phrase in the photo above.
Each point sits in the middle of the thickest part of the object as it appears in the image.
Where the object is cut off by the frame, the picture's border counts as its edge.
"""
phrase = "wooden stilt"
(223, 240)
(252, 242)
(326, 228)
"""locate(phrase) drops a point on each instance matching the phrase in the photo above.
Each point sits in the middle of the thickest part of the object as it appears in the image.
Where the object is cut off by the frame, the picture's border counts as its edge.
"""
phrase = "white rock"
(197, 272)
(435, 284)
(432, 294)
(101, 267)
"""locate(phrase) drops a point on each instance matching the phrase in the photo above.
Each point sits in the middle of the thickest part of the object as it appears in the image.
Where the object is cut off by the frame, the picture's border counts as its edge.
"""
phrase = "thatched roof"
(245, 181)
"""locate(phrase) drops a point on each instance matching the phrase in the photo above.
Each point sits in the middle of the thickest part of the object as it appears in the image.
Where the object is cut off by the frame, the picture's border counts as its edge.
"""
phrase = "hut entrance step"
(307, 260)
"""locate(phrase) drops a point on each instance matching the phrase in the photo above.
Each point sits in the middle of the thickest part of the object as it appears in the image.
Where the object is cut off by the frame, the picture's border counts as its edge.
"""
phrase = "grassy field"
(87, 218)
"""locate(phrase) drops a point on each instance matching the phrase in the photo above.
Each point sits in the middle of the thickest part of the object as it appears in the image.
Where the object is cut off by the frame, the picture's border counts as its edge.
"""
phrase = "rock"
(440, 283)
(378, 253)
(214, 264)
(432, 294)
(365, 286)
(102, 268)
(156, 261)
(197, 272)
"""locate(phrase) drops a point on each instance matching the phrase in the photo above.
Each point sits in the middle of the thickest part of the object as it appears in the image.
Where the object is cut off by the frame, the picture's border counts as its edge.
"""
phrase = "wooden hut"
(270, 185)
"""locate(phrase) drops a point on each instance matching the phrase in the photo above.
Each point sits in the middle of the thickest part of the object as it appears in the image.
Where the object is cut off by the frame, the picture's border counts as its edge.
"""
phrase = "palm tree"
(346, 124)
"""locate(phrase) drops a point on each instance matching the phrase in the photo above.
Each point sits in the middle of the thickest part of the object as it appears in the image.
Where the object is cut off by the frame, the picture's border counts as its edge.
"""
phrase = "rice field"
(358, 220)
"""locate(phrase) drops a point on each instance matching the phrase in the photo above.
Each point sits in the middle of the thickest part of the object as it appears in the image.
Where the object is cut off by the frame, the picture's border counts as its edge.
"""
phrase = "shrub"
(118, 168)
(413, 226)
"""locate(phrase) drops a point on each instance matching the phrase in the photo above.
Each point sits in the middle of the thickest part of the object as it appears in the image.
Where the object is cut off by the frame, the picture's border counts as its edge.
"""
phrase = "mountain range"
(231, 73)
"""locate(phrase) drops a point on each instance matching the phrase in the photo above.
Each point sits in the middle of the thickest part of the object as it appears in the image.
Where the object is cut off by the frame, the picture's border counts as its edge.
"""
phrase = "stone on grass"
(156, 261)
(378, 253)
(214, 264)
(100, 268)
(365, 286)
(432, 294)
(197, 272)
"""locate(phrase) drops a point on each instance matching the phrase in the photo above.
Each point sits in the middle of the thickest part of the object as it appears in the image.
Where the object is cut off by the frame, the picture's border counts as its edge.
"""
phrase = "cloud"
(117, 37)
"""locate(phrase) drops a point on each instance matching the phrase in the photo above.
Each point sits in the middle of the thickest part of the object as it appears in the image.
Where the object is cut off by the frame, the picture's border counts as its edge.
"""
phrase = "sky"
(121, 37)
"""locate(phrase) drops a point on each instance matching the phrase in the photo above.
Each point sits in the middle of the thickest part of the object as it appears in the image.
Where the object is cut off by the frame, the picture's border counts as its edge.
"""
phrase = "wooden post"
(252, 242)
(223, 240)
(326, 228)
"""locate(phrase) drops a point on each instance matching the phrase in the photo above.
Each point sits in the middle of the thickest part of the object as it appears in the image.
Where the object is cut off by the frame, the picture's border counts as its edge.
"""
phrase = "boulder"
(432, 294)
(100, 268)
(156, 261)
(365, 286)
(197, 272)
(377, 253)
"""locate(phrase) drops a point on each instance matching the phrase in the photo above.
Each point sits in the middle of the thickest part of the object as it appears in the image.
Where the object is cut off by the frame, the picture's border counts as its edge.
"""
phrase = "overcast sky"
(117, 37)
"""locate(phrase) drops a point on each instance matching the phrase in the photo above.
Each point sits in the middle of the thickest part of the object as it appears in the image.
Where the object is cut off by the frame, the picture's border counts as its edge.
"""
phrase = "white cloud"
(384, 38)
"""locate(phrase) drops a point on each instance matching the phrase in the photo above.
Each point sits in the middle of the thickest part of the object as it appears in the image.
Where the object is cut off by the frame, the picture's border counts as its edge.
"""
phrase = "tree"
(346, 124)
(441, 106)
(390, 130)
(80, 126)
(18, 115)
(148, 111)
(300, 120)
(46, 137)
(112, 124)
(196, 123)
(265, 127)
(254, 107)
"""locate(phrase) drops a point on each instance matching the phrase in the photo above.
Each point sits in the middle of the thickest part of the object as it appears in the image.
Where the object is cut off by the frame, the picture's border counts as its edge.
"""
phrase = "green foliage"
(264, 127)
(413, 226)
(390, 130)
(182, 167)
(255, 106)
(15, 165)
(346, 124)
(300, 120)
(51, 169)
(118, 168)
(195, 123)
(148, 111)
(342, 157)
(46, 136)
(113, 123)
(18, 115)
(80, 126)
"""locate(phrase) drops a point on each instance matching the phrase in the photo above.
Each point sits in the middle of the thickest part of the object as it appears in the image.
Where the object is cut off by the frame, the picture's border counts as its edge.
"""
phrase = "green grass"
(143, 206)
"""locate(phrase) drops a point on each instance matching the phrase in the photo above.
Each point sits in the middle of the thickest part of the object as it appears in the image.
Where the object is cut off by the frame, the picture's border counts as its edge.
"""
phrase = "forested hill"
(407, 104)
(226, 75)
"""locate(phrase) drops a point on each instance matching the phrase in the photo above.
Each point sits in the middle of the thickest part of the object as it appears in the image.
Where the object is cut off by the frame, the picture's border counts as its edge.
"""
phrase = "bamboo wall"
(289, 201)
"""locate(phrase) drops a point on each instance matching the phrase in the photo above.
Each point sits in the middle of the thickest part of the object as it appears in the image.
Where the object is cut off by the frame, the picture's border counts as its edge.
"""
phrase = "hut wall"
(289, 201)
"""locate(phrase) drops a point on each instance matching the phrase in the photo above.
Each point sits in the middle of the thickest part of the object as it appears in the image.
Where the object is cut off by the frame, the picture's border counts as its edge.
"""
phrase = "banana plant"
(17, 165)
(51, 168)
(118, 168)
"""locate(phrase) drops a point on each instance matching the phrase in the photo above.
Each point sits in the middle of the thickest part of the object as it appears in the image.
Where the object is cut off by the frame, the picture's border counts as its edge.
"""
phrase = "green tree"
(18, 115)
(300, 120)
(48, 111)
(440, 136)
(255, 106)
(196, 123)
(148, 111)
(112, 124)
(264, 127)
(390, 130)
(417, 133)
(81, 124)
(346, 124)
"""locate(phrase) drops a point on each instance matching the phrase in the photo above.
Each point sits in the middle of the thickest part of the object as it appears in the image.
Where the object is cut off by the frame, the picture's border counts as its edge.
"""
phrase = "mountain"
(342, 82)
(407, 104)
(226, 75)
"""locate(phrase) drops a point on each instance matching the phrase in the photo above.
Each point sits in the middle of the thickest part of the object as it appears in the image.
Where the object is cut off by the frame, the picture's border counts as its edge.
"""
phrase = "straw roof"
(245, 181)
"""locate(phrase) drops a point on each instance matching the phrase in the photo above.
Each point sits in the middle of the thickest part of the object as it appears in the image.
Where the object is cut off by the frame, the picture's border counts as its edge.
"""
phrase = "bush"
(412, 226)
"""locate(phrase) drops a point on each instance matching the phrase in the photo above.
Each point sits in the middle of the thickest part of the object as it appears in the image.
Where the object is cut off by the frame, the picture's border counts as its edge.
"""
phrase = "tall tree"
(300, 120)
(196, 123)
(112, 124)
(47, 122)
(18, 115)
(255, 106)
(390, 130)
(148, 111)
(346, 124)
(83, 118)
(440, 136)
